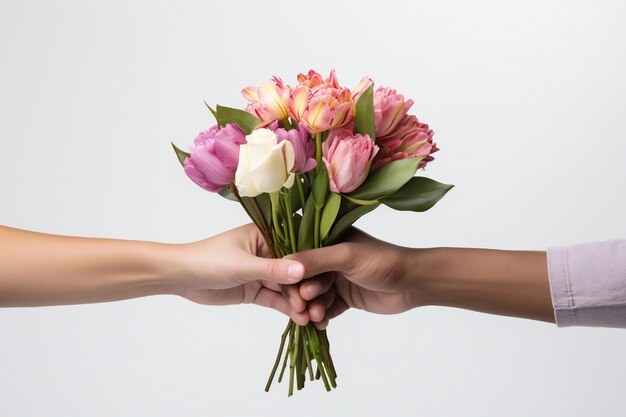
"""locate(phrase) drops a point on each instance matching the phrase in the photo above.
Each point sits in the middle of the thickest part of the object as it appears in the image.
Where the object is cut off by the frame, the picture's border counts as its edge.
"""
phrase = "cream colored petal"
(262, 136)
(270, 173)
(290, 181)
(289, 154)
(260, 143)
(243, 176)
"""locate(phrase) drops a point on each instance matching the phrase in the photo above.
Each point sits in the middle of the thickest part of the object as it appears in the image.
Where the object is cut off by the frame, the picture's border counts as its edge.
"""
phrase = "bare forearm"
(38, 269)
(510, 283)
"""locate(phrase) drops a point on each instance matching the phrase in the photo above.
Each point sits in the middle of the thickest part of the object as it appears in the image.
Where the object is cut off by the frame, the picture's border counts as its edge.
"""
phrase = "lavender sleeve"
(588, 284)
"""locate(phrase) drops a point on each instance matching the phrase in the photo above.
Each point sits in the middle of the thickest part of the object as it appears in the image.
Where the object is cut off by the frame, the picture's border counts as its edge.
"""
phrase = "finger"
(280, 271)
(314, 287)
(292, 295)
(301, 319)
(271, 285)
(276, 301)
(321, 325)
(338, 307)
(326, 259)
(317, 308)
(272, 299)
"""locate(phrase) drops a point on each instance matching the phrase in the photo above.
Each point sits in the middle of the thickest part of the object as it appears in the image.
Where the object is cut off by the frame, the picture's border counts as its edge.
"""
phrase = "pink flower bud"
(389, 109)
(320, 104)
(365, 83)
(215, 156)
(314, 79)
(328, 108)
(268, 101)
(410, 139)
(348, 158)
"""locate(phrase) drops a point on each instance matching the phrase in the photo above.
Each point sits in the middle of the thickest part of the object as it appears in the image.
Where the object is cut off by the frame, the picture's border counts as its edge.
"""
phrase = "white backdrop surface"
(527, 102)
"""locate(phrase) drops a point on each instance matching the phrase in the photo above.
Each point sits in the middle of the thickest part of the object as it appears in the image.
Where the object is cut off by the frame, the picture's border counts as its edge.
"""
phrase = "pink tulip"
(298, 101)
(328, 108)
(360, 88)
(303, 147)
(348, 158)
(314, 79)
(215, 156)
(389, 108)
(320, 104)
(268, 101)
(410, 139)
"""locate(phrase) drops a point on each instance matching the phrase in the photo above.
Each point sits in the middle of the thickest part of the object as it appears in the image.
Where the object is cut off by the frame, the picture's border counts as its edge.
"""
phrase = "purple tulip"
(215, 156)
(303, 147)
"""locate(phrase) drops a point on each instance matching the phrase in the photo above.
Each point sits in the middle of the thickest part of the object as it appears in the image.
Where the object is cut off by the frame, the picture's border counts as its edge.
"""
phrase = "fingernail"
(295, 271)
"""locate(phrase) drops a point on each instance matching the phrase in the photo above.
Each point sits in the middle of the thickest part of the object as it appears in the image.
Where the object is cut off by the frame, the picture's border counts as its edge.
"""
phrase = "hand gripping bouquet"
(306, 162)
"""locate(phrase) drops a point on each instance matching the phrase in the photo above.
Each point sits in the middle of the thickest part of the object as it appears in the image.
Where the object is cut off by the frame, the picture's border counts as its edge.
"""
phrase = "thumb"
(326, 259)
(279, 271)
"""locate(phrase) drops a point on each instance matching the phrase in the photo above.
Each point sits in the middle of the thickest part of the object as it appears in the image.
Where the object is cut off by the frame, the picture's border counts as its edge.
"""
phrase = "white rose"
(264, 165)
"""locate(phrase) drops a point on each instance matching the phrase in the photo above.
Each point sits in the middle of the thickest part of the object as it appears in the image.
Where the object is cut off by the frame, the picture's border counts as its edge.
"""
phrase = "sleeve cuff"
(560, 287)
(588, 284)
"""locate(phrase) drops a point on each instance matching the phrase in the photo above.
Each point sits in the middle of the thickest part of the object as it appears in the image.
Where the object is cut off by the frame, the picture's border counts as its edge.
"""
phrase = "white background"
(527, 101)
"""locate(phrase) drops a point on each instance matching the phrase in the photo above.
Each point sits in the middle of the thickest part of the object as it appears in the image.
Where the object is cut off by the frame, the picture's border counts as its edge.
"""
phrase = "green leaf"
(305, 232)
(329, 214)
(248, 203)
(364, 116)
(320, 187)
(263, 200)
(211, 110)
(346, 221)
(419, 194)
(297, 220)
(182, 155)
(228, 194)
(296, 204)
(386, 180)
(360, 202)
(245, 120)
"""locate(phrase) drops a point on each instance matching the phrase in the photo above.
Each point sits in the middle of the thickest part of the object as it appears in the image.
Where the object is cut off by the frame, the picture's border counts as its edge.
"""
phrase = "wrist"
(166, 269)
(195, 265)
(420, 272)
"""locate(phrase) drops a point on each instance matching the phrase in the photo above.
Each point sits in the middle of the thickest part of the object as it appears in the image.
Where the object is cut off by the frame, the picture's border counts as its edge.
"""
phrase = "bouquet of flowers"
(306, 162)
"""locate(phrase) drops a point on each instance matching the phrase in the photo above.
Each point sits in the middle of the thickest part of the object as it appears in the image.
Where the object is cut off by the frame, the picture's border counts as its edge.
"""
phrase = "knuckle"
(348, 249)
(272, 268)
(350, 254)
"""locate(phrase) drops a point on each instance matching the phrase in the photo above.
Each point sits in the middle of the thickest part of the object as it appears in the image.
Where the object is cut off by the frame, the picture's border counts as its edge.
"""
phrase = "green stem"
(263, 227)
(307, 354)
(327, 347)
(316, 227)
(325, 354)
(318, 359)
(300, 190)
(289, 215)
(318, 149)
(294, 358)
(260, 213)
(274, 199)
(284, 123)
(290, 326)
(318, 210)
(280, 353)
(300, 370)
